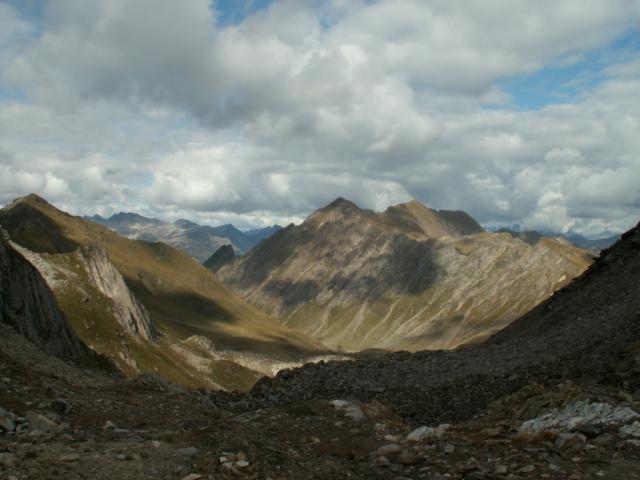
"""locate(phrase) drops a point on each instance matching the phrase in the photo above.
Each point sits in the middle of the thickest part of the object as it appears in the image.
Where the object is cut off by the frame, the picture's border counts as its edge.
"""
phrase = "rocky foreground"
(58, 422)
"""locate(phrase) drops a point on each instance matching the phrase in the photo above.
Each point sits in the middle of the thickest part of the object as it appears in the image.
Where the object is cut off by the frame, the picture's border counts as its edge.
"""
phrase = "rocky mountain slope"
(146, 305)
(407, 278)
(27, 304)
(129, 312)
(199, 241)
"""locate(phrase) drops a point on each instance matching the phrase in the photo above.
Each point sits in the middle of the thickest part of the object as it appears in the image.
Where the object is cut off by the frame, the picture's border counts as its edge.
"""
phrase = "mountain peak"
(132, 217)
(31, 199)
(340, 203)
(413, 203)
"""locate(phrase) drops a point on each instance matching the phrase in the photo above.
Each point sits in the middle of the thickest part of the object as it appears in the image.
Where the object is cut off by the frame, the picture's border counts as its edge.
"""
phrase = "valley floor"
(148, 428)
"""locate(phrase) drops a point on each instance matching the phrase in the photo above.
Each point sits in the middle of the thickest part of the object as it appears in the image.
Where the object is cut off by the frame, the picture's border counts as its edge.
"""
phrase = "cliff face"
(27, 303)
(128, 311)
(408, 278)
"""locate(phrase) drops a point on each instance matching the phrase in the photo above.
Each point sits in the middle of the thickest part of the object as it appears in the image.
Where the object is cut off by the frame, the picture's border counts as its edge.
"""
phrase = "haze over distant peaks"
(199, 241)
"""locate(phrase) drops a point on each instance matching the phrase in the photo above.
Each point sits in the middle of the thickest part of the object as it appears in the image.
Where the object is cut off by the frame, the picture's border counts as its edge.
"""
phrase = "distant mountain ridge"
(595, 245)
(407, 278)
(199, 241)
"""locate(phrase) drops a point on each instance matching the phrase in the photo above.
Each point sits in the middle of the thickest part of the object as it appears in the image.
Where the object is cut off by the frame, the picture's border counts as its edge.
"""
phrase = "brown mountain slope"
(182, 298)
(410, 277)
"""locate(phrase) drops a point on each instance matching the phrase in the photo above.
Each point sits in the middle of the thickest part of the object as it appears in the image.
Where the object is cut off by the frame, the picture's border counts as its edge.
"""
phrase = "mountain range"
(595, 245)
(146, 305)
(406, 278)
(199, 241)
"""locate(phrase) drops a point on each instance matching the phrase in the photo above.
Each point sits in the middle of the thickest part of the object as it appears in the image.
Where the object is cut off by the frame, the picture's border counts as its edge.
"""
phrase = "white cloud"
(149, 104)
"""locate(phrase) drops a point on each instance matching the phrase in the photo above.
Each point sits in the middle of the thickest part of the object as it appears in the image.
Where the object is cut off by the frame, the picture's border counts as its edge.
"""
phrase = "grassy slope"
(182, 296)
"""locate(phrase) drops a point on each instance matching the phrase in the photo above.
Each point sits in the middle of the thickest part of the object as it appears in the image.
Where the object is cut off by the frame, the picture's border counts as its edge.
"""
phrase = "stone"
(7, 420)
(632, 430)
(7, 459)
(109, 425)
(528, 469)
(448, 448)
(193, 476)
(187, 451)
(423, 434)
(155, 443)
(69, 457)
(349, 409)
(565, 440)
(501, 469)
(387, 450)
(579, 414)
(242, 464)
(42, 423)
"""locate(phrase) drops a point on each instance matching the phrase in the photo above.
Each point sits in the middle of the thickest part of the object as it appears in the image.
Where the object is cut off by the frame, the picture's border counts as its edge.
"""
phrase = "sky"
(258, 112)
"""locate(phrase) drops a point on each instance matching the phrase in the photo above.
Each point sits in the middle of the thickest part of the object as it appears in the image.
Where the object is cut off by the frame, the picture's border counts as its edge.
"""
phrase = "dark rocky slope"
(27, 304)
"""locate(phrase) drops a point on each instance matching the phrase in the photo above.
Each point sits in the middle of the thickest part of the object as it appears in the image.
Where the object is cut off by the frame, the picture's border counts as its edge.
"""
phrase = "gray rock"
(565, 440)
(42, 423)
(423, 434)
(387, 450)
(193, 476)
(7, 420)
(188, 451)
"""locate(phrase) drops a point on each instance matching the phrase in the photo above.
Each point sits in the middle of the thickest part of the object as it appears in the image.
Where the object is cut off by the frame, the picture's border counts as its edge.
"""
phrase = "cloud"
(154, 105)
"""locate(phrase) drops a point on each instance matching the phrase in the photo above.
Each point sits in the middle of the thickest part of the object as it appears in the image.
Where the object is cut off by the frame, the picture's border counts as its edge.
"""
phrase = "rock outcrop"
(220, 258)
(27, 303)
(407, 278)
(128, 311)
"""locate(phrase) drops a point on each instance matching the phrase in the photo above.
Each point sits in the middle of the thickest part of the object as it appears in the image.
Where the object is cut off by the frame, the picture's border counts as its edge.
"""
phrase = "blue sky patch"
(558, 83)
(233, 12)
